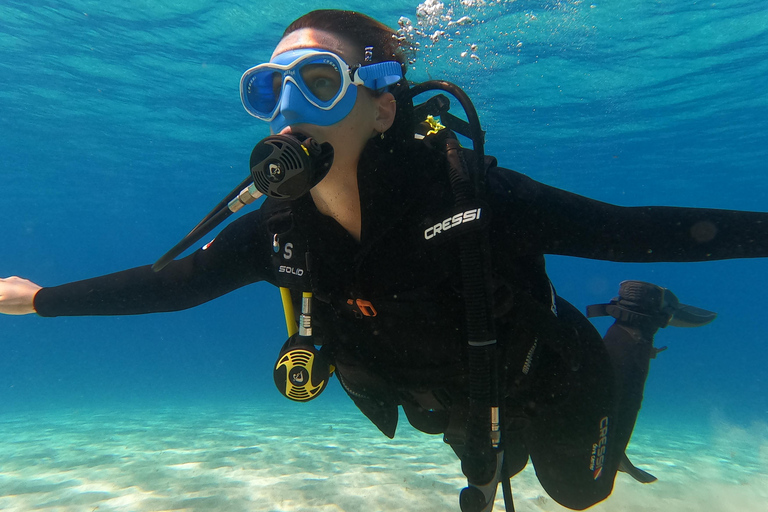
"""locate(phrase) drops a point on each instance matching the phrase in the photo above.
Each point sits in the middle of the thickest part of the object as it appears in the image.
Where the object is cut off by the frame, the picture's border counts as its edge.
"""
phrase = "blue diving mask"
(310, 86)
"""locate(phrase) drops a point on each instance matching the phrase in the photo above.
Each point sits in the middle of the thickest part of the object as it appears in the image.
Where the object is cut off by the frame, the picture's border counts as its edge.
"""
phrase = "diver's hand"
(17, 296)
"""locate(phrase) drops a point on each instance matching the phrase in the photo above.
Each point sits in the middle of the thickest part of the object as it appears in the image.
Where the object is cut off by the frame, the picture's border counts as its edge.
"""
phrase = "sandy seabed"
(295, 458)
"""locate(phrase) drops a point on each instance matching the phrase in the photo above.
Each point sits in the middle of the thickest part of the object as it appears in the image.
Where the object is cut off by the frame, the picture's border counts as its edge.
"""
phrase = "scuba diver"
(413, 269)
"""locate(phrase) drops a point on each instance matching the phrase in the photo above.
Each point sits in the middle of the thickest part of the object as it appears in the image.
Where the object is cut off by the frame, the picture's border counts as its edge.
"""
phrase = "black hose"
(476, 132)
(478, 460)
(479, 457)
(205, 226)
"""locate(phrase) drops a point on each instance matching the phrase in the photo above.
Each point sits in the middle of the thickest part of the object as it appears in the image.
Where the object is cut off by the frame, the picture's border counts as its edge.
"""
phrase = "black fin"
(626, 466)
(690, 316)
(639, 301)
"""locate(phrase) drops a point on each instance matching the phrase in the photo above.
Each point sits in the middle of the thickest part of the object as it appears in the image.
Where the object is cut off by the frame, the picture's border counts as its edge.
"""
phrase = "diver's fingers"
(17, 296)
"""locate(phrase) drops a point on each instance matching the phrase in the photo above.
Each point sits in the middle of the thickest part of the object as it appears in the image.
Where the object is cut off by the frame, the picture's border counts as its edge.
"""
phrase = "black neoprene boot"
(640, 310)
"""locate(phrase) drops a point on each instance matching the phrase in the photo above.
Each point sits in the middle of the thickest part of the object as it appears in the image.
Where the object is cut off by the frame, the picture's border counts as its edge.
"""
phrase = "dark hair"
(360, 30)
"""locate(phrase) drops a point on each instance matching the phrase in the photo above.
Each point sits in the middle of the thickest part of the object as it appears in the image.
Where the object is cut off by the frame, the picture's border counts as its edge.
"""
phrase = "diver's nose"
(290, 102)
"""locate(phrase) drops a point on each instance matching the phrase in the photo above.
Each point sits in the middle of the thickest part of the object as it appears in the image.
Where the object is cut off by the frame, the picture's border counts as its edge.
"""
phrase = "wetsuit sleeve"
(532, 218)
(235, 258)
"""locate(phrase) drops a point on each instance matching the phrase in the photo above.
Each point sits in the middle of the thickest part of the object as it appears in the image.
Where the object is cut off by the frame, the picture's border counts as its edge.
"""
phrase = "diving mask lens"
(321, 77)
(323, 80)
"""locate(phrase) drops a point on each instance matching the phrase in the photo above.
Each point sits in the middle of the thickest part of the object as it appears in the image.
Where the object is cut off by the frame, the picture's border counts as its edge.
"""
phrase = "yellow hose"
(290, 317)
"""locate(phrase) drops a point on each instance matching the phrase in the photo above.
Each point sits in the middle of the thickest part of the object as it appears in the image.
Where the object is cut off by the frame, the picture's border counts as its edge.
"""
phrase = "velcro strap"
(597, 310)
(616, 311)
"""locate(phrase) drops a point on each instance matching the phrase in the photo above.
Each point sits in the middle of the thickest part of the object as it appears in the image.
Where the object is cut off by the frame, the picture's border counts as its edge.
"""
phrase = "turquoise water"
(121, 126)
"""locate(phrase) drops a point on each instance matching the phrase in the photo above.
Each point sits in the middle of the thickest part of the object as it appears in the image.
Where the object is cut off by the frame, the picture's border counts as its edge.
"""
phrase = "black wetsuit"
(558, 381)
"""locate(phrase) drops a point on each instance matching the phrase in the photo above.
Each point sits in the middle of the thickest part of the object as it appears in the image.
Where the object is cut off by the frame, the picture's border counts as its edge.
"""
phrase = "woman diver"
(370, 240)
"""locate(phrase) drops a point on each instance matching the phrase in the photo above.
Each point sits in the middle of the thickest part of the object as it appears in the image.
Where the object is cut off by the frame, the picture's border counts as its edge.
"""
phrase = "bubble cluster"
(440, 27)
(467, 35)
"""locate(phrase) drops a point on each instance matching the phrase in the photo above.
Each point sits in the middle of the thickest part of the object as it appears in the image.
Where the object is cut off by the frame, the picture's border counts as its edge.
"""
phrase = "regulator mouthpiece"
(288, 166)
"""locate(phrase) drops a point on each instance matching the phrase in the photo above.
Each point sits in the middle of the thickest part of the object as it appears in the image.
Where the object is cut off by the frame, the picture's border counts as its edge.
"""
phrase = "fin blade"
(690, 316)
(626, 466)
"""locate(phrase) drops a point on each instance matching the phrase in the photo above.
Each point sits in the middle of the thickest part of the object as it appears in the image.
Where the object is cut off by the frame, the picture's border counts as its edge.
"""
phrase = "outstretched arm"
(239, 256)
(535, 218)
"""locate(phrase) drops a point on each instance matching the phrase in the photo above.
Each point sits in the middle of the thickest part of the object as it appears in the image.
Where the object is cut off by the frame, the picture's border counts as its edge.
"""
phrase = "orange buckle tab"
(364, 307)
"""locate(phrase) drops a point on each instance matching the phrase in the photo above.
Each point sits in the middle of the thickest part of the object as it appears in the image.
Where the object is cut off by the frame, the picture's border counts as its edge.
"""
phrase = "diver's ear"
(386, 106)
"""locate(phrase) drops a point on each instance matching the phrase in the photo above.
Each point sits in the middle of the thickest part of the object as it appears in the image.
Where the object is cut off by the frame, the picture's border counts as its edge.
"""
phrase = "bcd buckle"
(362, 307)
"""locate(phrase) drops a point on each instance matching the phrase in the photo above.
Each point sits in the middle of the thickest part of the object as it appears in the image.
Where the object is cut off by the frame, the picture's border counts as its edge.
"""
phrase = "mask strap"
(378, 76)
